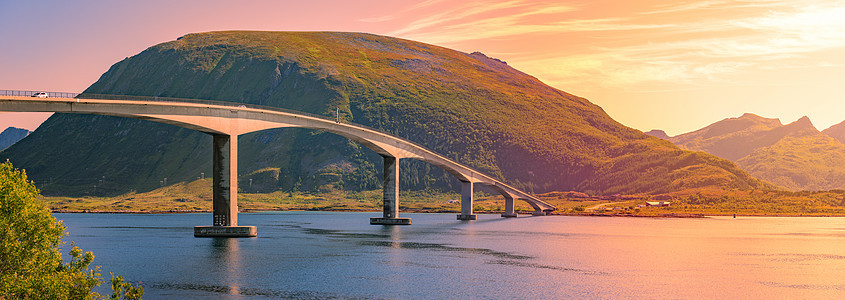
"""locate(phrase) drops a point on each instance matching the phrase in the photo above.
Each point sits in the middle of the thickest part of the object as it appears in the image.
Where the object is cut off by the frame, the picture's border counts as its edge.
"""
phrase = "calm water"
(339, 255)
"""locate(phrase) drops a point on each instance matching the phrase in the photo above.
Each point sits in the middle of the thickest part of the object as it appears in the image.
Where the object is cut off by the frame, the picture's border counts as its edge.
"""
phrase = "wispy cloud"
(686, 52)
(805, 29)
(684, 42)
(391, 17)
(426, 3)
(456, 14)
(512, 25)
(377, 19)
(682, 7)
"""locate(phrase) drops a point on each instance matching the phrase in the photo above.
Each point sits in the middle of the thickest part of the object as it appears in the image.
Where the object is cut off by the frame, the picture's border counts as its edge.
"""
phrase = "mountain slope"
(469, 107)
(836, 131)
(733, 138)
(803, 162)
(11, 135)
(795, 156)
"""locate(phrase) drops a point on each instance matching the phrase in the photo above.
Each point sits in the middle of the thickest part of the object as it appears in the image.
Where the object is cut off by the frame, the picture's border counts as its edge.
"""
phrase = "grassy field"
(196, 197)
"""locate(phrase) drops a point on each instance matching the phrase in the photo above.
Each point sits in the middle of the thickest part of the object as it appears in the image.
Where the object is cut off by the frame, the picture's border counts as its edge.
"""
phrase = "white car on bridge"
(40, 95)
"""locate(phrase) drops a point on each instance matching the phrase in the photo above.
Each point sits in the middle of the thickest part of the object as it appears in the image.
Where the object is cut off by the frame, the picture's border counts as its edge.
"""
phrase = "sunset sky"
(656, 64)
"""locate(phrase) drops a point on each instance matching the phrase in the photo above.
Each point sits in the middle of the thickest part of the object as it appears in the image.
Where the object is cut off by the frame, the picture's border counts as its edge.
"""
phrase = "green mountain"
(469, 107)
(795, 156)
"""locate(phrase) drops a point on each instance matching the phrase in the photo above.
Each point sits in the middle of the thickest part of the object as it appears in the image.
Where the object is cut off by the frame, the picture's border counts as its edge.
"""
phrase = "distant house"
(453, 201)
(660, 200)
(663, 197)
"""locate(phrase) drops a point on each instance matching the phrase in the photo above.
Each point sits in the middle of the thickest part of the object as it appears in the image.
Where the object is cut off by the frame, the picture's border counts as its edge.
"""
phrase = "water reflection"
(393, 234)
(394, 257)
(336, 255)
(225, 254)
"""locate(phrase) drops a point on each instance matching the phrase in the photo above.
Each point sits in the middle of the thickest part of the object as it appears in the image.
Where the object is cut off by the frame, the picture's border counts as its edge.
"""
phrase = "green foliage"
(124, 290)
(810, 162)
(31, 265)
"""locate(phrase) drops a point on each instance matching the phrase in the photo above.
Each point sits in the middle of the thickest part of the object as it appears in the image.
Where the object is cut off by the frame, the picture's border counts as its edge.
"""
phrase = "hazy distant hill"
(658, 134)
(735, 138)
(12, 135)
(796, 156)
(472, 108)
(836, 131)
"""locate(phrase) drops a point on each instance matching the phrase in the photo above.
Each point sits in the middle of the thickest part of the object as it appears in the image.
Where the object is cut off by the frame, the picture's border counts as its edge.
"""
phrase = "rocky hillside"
(470, 107)
(795, 156)
(11, 135)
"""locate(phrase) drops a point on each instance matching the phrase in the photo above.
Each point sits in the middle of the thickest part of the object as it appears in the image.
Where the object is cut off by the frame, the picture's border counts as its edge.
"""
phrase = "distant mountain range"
(12, 135)
(795, 156)
(472, 108)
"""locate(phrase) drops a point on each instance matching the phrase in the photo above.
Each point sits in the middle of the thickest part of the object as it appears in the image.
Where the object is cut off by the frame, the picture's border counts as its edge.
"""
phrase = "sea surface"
(338, 255)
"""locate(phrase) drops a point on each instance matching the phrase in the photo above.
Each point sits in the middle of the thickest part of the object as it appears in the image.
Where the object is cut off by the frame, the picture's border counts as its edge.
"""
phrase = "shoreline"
(665, 215)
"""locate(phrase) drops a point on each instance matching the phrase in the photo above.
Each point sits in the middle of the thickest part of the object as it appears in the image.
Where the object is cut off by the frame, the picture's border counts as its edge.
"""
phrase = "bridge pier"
(509, 212)
(225, 191)
(466, 202)
(391, 195)
(539, 212)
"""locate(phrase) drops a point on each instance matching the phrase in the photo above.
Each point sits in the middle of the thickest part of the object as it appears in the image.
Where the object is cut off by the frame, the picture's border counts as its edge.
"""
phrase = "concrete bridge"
(225, 121)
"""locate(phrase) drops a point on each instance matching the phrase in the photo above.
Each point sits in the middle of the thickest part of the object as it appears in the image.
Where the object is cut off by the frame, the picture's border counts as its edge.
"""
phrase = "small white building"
(658, 203)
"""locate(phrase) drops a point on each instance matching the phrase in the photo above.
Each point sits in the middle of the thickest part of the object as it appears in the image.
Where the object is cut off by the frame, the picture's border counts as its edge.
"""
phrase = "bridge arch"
(225, 121)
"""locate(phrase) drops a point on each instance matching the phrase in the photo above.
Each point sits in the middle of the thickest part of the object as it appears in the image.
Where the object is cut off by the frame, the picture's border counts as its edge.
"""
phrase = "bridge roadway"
(225, 121)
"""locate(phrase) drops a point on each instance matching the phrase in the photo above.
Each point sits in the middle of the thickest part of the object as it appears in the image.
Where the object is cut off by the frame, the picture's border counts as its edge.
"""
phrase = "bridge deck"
(232, 119)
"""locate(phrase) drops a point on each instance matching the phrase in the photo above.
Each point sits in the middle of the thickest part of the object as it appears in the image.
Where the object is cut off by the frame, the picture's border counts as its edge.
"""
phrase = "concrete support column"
(391, 187)
(225, 191)
(225, 180)
(466, 201)
(509, 212)
(391, 195)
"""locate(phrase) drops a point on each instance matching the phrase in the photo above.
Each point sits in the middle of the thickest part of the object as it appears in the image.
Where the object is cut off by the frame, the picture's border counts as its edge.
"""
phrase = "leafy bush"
(31, 265)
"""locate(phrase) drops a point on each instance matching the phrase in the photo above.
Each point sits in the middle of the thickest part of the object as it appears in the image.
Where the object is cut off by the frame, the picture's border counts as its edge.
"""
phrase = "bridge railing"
(203, 101)
(195, 101)
(214, 102)
(182, 100)
(32, 93)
